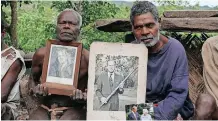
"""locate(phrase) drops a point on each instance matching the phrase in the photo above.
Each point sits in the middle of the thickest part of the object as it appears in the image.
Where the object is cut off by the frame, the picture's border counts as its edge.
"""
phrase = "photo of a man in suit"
(106, 84)
(134, 115)
(63, 66)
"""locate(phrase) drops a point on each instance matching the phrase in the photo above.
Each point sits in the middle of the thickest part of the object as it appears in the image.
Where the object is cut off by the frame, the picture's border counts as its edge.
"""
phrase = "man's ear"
(159, 19)
(159, 22)
(132, 27)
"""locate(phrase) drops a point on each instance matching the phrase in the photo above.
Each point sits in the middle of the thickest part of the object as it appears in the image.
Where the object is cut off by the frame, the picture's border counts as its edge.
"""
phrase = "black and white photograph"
(62, 64)
(140, 112)
(116, 82)
(117, 77)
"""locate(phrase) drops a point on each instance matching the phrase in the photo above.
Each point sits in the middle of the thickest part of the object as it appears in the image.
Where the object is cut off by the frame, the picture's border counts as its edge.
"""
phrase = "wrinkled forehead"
(68, 16)
(144, 19)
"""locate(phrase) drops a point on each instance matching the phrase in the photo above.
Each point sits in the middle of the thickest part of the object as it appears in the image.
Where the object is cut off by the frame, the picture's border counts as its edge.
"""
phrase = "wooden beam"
(191, 14)
(190, 24)
(113, 25)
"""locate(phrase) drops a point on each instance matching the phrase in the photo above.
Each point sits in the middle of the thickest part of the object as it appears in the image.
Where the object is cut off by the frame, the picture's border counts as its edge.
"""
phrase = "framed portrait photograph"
(61, 67)
(117, 77)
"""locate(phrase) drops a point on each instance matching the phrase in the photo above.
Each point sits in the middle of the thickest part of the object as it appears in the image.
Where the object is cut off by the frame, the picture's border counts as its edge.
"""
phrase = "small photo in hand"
(142, 112)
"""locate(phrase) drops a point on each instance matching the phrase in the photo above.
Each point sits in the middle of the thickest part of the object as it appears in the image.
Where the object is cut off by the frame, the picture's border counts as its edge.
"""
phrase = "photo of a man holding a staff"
(109, 85)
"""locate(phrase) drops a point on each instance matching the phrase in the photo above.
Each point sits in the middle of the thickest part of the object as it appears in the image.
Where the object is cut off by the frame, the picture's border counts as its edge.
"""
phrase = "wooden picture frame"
(61, 67)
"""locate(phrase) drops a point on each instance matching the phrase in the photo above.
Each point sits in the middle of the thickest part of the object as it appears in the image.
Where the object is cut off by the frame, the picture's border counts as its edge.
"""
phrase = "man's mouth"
(66, 33)
(146, 40)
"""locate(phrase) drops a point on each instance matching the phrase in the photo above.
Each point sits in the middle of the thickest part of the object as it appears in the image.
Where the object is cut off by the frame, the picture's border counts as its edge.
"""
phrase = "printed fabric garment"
(6, 61)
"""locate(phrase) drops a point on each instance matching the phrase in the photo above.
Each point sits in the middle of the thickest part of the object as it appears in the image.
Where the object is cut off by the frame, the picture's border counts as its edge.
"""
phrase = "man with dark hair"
(12, 70)
(167, 69)
(61, 107)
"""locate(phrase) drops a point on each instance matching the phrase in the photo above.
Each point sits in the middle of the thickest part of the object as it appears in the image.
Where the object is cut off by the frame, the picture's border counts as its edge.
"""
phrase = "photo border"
(115, 49)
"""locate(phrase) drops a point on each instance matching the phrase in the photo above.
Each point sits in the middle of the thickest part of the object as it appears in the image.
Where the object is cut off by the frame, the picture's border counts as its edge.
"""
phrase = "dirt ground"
(27, 103)
(23, 113)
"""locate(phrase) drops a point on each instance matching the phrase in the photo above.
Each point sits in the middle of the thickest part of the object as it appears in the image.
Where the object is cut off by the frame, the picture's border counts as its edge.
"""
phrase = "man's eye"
(73, 23)
(138, 27)
(151, 25)
(61, 23)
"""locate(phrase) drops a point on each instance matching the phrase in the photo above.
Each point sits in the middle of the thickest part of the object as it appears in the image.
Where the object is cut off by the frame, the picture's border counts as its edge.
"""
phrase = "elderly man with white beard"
(167, 69)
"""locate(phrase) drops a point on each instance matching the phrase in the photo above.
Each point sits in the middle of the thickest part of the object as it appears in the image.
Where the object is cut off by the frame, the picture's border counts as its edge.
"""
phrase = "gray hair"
(143, 7)
(79, 17)
(134, 107)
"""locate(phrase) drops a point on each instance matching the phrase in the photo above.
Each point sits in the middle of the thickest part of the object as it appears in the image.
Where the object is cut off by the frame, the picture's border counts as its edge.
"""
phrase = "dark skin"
(67, 31)
(206, 108)
(145, 26)
(10, 78)
(8, 82)
(146, 30)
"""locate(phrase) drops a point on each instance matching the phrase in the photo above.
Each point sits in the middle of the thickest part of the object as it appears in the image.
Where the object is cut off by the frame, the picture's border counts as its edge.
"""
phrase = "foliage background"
(37, 19)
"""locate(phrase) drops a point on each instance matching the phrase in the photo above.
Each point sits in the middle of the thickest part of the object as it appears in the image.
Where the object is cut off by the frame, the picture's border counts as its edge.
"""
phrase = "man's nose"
(67, 25)
(145, 31)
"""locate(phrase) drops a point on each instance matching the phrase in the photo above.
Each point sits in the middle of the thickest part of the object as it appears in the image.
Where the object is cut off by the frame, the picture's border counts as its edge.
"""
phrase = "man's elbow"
(3, 98)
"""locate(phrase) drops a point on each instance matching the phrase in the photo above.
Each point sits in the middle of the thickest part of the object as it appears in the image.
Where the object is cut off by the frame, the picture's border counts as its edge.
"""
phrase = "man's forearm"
(3, 98)
(99, 95)
(171, 105)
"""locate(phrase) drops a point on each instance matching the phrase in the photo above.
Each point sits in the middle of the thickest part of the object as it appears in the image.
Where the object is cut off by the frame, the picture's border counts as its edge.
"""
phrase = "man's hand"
(178, 118)
(79, 95)
(103, 100)
(39, 90)
(121, 86)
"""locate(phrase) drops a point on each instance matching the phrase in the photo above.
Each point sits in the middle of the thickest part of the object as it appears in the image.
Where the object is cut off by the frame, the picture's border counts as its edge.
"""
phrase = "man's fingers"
(37, 89)
(85, 96)
(45, 90)
(77, 94)
(41, 88)
(74, 92)
(81, 94)
(74, 95)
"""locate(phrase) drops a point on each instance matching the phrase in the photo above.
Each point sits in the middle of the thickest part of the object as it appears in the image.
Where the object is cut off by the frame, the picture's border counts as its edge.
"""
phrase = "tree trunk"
(13, 26)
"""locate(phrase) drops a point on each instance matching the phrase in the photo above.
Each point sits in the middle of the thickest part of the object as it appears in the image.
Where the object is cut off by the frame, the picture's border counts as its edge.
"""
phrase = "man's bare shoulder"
(85, 53)
(40, 51)
(39, 55)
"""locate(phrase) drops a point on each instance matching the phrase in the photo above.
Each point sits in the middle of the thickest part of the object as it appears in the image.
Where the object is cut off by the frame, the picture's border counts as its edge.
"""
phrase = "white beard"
(153, 42)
